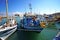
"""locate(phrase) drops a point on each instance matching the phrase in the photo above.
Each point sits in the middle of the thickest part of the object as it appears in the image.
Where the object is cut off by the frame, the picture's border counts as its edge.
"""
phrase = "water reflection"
(20, 35)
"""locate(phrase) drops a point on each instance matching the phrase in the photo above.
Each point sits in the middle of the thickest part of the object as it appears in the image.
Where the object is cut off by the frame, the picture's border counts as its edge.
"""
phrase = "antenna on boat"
(7, 9)
(30, 7)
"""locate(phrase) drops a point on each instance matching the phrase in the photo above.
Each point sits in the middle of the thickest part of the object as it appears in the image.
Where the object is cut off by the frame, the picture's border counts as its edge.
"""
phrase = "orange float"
(43, 24)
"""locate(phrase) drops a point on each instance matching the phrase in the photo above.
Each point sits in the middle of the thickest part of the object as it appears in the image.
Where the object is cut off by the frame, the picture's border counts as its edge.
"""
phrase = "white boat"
(5, 32)
(57, 37)
(8, 28)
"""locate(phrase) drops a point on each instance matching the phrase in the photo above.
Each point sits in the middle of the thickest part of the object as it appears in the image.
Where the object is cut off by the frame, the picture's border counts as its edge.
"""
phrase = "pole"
(30, 8)
(7, 9)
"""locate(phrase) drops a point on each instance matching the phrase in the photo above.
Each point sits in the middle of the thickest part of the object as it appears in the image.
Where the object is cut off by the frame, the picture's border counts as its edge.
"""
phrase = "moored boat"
(31, 23)
(7, 29)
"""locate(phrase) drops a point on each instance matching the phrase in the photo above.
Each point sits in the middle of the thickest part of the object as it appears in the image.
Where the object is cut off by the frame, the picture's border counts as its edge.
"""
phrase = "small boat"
(8, 28)
(7, 34)
(57, 36)
(6, 31)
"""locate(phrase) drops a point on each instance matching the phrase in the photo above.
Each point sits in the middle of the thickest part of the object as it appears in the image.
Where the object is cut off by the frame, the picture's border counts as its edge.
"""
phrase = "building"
(56, 16)
(18, 14)
(53, 17)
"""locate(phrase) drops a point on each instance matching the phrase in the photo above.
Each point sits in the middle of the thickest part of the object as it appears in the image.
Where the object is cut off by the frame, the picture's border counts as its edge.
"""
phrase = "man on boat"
(11, 22)
(35, 21)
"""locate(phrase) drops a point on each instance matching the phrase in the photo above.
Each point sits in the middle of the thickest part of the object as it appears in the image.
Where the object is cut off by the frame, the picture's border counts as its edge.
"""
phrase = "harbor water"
(21, 35)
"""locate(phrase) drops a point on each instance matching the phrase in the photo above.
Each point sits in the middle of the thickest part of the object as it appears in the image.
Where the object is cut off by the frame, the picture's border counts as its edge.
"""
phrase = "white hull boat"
(7, 31)
(8, 28)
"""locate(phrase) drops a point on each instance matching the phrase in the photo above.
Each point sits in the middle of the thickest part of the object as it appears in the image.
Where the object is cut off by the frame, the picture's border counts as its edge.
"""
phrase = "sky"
(38, 6)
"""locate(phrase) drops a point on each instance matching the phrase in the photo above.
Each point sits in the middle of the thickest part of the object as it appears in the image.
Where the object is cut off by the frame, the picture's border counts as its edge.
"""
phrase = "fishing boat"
(30, 23)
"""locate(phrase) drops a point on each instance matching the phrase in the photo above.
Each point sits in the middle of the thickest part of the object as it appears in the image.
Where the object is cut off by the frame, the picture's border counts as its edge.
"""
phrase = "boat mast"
(30, 8)
(7, 9)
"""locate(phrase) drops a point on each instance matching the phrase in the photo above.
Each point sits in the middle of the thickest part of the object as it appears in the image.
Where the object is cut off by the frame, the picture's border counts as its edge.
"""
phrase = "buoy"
(43, 24)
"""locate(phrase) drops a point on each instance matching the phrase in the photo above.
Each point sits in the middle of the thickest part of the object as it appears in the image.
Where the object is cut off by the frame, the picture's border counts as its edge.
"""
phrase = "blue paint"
(18, 21)
(3, 21)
